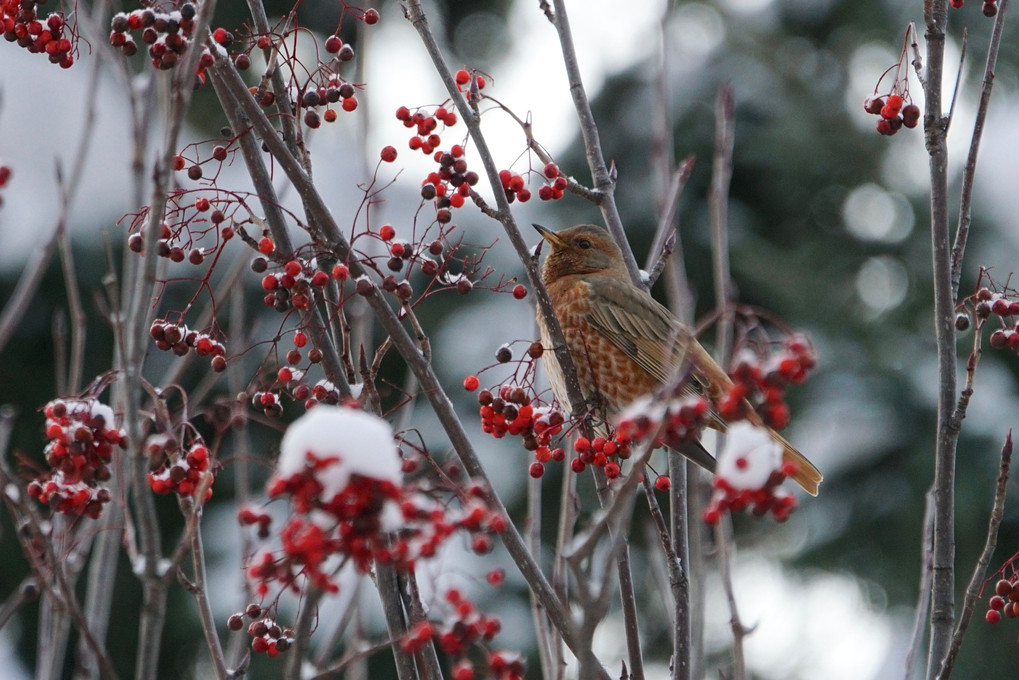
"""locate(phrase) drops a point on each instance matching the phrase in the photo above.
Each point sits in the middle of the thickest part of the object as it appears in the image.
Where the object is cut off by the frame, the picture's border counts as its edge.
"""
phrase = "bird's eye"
(584, 243)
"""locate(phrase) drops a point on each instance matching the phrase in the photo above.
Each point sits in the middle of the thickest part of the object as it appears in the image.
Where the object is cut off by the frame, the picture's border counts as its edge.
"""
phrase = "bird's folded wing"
(634, 322)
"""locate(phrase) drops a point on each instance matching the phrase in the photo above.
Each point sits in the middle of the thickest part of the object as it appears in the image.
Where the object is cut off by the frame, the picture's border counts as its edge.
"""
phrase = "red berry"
(536, 470)
(371, 16)
(997, 603)
(551, 170)
(388, 154)
(219, 35)
(496, 577)
(471, 383)
(266, 246)
(387, 232)
(340, 272)
(894, 102)
(349, 104)
(663, 483)
(1003, 588)
(519, 291)
(992, 616)
(333, 44)
(462, 77)
(956, 4)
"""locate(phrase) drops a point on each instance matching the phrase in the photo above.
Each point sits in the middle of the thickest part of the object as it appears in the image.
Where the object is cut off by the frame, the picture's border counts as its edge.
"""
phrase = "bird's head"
(583, 249)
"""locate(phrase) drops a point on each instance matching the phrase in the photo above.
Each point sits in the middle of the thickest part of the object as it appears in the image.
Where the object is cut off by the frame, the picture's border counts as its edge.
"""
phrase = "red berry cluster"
(335, 90)
(180, 472)
(986, 303)
(248, 517)
(603, 452)
(267, 636)
(895, 111)
(670, 423)
(451, 184)
(367, 521)
(769, 498)
(426, 138)
(761, 384)
(5, 177)
(292, 286)
(553, 190)
(81, 439)
(177, 337)
(990, 8)
(469, 79)
(514, 186)
(20, 23)
(1005, 600)
(168, 35)
(465, 628)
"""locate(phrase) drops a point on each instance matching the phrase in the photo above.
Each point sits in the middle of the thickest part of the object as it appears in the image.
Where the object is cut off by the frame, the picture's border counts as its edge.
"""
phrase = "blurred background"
(828, 230)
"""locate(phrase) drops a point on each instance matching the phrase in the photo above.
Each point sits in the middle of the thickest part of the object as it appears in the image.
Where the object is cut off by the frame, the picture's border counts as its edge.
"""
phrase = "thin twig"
(924, 596)
(974, 588)
(969, 171)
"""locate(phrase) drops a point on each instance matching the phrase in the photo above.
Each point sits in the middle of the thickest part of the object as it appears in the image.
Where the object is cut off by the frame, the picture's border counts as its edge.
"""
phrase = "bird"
(626, 345)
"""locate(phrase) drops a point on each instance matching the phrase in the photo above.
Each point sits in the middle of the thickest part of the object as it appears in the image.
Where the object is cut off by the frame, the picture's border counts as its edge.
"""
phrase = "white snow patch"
(360, 442)
(748, 457)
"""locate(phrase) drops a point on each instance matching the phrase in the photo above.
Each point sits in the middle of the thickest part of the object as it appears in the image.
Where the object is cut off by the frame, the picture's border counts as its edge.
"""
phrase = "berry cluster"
(248, 517)
(179, 339)
(293, 285)
(896, 112)
(1005, 600)
(669, 422)
(514, 186)
(426, 139)
(5, 177)
(749, 475)
(20, 23)
(334, 91)
(451, 184)
(349, 501)
(168, 35)
(465, 628)
(602, 452)
(984, 304)
(761, 384)
(81, 439)
(990, 8)
(470, 80)
(553, 190)
(267, 636)
(180, 472)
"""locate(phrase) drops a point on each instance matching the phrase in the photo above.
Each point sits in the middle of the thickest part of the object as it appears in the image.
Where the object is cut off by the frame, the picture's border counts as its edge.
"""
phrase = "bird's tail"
(806, 474)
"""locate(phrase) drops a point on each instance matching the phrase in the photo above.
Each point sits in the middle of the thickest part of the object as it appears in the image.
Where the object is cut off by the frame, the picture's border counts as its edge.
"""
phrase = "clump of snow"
(340, 441)
(749, 457)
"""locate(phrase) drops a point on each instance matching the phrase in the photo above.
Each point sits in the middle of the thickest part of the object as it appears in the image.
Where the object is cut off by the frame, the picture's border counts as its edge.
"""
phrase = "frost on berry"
(52, 35)
(748, 475)
(82, 435)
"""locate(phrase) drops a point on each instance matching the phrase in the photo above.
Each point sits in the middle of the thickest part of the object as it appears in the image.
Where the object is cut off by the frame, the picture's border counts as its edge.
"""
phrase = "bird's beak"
(549, 235)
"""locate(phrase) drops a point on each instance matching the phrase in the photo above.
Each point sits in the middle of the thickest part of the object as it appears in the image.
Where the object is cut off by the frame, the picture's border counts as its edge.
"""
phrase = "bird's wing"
(634, 322)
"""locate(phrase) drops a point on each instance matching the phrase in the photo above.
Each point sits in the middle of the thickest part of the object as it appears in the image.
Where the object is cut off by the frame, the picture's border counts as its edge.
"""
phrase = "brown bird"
(625, 344)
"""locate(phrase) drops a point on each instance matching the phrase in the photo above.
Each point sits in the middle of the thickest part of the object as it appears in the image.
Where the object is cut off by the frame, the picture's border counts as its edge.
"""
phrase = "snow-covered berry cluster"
(293, 285)
(267, 636)
(986, 303)
(465, 628)
(21, 23)
(247, 516)
(759, 382)
(603, 452)
(510, 410)
(184, 473)
(749, 475)
(167, 34)
(667, 421)
(514, 186)
(426, 138)
(340, 469)
(180, 339)
(81, 436)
